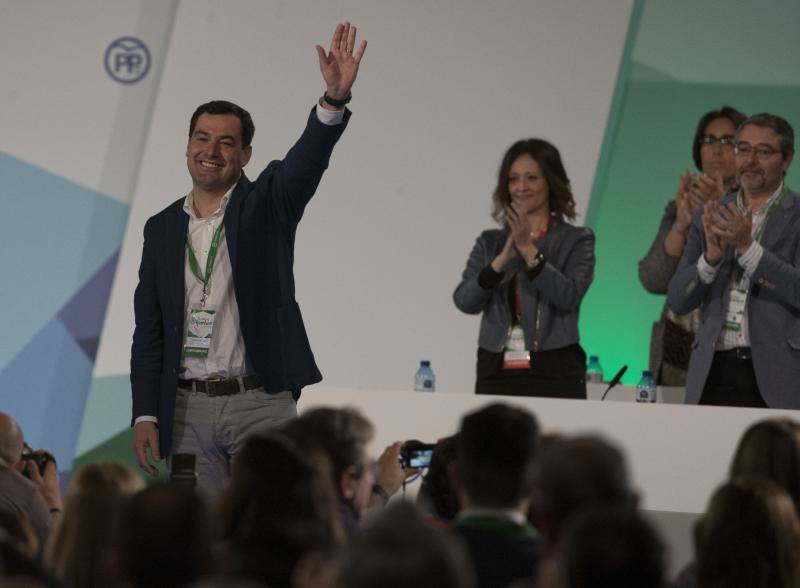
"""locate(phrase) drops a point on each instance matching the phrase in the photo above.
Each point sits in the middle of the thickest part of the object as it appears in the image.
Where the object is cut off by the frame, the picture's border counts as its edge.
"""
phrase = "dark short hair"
(398, 549)
(562, 203)
(225, 107)
(495, 450)
(611, 546)
(728, 112)
(342, 434)
(778, 124)
(575, 474)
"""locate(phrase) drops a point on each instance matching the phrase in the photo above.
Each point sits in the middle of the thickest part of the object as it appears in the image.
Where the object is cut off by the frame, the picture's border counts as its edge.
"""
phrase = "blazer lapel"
(232, 214)
(778, 221)
(175, 251)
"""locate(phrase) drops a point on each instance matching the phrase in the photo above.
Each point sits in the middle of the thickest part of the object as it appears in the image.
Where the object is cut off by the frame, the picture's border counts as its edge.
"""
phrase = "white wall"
(445, 87)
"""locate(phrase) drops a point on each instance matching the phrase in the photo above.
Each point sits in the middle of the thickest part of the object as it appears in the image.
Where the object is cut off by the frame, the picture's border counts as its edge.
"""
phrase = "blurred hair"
(611, 547)
(397, 549)
(562, 203)
(341, 434)
(164, 537)
(79, 542)
(436, 493)
(771, 449)
(575, 474)
(728, 112)
(496, 446)
(273, 485)
(749, 538)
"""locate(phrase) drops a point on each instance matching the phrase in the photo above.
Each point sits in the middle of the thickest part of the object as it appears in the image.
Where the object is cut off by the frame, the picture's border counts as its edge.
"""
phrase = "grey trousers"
(215, 428)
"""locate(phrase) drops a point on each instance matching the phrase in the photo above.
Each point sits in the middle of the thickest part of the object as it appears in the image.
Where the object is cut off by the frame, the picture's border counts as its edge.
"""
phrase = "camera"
(416, 454)
(40, 458)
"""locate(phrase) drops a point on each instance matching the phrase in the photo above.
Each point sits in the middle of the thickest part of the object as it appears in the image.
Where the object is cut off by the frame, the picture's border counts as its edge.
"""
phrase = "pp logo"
(127, 60)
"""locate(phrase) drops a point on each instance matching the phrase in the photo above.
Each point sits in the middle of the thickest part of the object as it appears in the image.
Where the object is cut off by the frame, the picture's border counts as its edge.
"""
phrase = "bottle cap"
(593, 357)
(425, 363)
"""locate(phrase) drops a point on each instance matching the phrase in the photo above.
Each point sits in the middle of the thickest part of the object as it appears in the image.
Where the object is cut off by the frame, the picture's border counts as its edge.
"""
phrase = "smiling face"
(527, 185)
(214, 155)
(717, 160)
(760, 175)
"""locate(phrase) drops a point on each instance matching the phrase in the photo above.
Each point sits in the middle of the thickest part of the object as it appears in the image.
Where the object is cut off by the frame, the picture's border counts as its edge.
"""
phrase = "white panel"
(61, 110)
(444, 89)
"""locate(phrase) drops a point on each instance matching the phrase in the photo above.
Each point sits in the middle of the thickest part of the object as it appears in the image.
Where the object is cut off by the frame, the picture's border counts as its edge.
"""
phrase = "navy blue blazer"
(260, 224)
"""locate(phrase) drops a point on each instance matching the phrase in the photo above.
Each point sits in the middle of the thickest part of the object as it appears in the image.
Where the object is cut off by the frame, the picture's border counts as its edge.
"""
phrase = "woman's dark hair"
(749, 537)
(562, 204)
(733, 115)
(771, 449)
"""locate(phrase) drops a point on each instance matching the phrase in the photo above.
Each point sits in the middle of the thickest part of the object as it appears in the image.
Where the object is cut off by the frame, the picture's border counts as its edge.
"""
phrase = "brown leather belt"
(220, 387)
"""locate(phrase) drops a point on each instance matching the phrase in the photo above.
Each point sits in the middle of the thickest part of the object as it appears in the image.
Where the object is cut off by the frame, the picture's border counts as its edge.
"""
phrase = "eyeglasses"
(745, 149)
(725, 142)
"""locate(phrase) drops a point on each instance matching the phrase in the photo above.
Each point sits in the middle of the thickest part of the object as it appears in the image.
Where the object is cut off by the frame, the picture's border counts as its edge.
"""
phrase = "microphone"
(615, 380)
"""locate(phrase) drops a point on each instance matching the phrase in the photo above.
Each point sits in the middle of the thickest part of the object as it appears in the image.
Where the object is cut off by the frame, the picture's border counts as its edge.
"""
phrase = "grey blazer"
(555, 294)
(773, 306)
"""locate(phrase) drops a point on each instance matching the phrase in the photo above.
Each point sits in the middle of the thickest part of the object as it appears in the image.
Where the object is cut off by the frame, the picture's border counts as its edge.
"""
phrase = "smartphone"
(416, 454)
(183, 469)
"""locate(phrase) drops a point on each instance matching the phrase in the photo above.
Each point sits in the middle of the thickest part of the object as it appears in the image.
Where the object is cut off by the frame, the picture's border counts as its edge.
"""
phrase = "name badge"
(736, 305)
(515, 356)
(200, 330)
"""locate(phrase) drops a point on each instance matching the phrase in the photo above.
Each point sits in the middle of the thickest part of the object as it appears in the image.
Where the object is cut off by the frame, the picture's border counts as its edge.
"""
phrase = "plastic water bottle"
(594, 371)
(424, 380)
(646, 388)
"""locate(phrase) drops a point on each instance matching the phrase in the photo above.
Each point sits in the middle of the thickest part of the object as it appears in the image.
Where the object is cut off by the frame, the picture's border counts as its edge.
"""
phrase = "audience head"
(11, 441)
(495, 450)
(717, 123)
(609, 547)
(342, 435)
(77, 547)
(771, 449)
(164, 537)
(749, 537)
(545, 154)
(398, 549)
(436, 494)
(574, 474)
(278, 508)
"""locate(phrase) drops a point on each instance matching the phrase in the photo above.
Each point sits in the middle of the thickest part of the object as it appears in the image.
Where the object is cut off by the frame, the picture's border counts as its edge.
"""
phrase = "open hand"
(339, 66)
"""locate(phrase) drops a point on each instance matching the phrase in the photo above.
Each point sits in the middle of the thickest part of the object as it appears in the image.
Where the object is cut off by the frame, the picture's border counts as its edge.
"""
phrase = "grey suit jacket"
(773, 306)
(554, 295)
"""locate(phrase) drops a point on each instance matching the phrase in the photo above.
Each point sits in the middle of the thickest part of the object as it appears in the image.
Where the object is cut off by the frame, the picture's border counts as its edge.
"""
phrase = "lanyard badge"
(202, 316)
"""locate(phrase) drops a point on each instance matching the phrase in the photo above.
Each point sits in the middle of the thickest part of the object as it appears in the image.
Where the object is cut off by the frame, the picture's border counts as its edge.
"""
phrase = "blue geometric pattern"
(57, 235)
(57, 276)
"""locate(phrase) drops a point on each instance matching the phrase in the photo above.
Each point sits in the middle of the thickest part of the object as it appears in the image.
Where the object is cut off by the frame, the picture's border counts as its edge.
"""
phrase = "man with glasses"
(741, 266)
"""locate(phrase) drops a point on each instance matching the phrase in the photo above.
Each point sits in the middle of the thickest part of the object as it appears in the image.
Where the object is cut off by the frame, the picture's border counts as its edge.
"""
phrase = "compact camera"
(40, 458)
(416, 454)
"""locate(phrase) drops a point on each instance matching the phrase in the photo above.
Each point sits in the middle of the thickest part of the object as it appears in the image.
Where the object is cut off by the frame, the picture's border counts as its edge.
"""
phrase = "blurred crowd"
(501, 503)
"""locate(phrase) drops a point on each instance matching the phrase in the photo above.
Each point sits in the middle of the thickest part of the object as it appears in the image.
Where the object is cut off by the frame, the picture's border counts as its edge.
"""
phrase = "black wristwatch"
(337, 103)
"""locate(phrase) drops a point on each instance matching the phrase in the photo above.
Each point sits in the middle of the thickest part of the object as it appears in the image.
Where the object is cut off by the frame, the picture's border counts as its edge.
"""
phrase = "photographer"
(29, 481)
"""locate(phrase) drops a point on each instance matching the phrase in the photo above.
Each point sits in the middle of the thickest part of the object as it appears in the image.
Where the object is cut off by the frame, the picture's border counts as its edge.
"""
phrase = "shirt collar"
(764, 207)
(188, 204)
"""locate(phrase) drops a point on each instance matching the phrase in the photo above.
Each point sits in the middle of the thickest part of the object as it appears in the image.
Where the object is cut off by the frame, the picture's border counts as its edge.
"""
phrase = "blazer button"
(760, 280)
